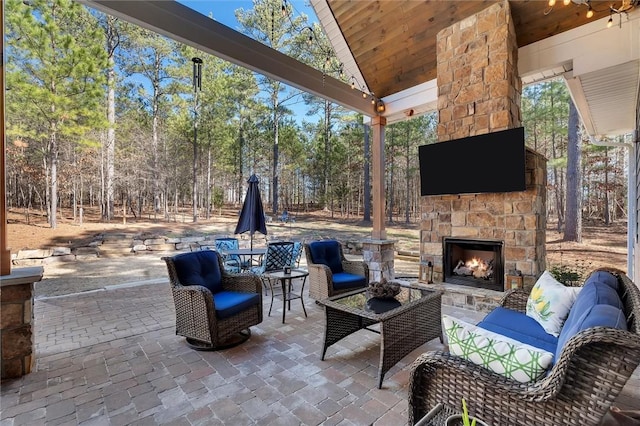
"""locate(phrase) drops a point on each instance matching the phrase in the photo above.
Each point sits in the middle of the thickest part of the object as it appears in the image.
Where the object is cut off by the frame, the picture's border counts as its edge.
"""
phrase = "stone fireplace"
(473, 262)
(479, 92)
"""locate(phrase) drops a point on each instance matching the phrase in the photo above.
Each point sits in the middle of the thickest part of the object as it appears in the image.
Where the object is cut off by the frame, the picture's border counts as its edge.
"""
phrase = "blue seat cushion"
(229, 303)
(327, 252)
(344, 280)
(594, 316)
(199, 268)
(594, 293)
(603, 277)
(520, 327)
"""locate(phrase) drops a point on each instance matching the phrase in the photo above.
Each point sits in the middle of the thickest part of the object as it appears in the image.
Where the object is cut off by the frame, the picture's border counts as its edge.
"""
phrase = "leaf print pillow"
(549, 303)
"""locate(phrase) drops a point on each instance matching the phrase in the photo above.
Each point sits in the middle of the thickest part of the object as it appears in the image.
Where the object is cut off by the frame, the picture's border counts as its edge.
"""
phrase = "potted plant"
(463, 419)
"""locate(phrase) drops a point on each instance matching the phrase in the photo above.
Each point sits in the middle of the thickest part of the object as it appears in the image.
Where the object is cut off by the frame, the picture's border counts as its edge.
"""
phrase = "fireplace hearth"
(474, 263)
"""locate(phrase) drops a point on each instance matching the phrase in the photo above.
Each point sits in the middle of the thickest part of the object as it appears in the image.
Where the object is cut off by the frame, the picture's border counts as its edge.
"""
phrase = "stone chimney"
(479, 92)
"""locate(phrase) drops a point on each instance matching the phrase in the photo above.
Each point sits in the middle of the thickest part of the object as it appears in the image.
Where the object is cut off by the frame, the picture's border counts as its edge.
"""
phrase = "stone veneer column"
(379, 255)
(479, 92)
(17, 354)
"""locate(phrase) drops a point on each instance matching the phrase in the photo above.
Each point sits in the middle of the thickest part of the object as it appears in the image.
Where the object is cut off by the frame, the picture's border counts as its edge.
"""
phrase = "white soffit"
(607, 99)
(602, 71)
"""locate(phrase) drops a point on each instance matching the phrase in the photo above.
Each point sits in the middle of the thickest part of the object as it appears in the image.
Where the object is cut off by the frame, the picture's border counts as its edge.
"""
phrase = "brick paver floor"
(111, 357)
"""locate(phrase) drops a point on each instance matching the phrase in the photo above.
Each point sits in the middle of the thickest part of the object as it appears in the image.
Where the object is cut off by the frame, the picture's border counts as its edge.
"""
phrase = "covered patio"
(112, 357)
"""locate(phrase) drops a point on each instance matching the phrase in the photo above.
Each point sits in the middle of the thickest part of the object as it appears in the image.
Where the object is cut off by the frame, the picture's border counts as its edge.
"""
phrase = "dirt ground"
(601, 246)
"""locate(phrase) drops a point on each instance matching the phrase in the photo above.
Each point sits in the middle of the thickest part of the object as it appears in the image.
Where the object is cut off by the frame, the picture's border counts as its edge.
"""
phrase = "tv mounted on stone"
(493, 162)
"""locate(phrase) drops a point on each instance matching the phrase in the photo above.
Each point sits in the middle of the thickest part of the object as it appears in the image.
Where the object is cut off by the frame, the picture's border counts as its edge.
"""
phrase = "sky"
(223, 11)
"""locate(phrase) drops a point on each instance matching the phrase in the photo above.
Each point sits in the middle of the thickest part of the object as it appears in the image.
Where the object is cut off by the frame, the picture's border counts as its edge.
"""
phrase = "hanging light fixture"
(590, 12)
(625, 7)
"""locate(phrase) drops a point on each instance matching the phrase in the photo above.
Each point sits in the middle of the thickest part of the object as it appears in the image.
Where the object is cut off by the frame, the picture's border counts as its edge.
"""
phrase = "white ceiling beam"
(187, 26)
(589, 47)
(411, 102)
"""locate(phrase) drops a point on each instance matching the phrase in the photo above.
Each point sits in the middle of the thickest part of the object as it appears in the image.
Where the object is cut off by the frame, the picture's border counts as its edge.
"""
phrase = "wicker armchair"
(592, 369)
(214, 309)
(330, 273)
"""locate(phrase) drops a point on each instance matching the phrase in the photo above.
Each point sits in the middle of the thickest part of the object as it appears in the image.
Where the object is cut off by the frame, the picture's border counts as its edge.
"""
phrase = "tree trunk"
(573, 217)
(110, 148)
(607, 208)
(53, 169)
(195, 156)
(391, 170)
(367, 179)
(276, 129)
(208, 188)
(406, 177)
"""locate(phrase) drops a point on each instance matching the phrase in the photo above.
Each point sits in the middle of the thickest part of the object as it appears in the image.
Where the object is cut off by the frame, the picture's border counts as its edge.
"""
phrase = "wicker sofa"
(590, 369)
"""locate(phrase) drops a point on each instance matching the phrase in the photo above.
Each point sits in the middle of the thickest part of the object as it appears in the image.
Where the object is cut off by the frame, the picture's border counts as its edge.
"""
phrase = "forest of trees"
(100, 112)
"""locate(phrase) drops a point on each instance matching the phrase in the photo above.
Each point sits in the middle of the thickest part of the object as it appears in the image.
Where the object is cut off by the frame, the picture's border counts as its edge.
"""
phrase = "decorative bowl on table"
(383, 289)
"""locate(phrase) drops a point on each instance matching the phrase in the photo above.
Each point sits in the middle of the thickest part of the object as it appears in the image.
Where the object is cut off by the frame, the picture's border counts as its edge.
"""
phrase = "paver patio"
(110, 357)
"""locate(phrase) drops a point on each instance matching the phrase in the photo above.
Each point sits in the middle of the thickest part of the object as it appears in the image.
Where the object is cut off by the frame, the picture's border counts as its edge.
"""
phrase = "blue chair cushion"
(327, 252)
(229, 303)
(344, 280)
(603, 277)
(199, 268)
(519, 326)
(594, 293)
(297, 254)
(594, 316)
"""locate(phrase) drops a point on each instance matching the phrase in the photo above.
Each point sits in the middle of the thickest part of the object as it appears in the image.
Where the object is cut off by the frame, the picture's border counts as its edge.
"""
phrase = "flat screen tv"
(494, 162)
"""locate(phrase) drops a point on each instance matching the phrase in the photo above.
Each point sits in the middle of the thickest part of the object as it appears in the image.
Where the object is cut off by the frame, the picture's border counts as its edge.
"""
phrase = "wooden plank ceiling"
(394, 41)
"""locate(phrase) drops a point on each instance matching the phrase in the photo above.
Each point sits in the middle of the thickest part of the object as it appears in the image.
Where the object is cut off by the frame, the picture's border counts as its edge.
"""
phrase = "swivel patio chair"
(214, 309)
(330, 273)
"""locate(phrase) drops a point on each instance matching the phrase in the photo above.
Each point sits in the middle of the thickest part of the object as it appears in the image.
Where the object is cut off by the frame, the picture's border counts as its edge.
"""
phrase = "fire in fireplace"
(475, 263)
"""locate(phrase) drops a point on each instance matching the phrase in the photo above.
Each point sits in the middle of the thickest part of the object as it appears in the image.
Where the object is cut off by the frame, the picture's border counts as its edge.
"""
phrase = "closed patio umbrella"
(252, 213)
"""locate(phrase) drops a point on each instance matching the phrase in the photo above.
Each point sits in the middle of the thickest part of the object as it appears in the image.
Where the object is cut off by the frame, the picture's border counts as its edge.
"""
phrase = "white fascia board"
(580, 101)
(411, 102)
(337, 40)
(589, 47)
(187, 26)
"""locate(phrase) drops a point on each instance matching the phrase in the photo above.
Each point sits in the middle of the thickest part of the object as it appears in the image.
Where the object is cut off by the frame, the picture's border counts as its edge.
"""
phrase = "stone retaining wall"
(114, 245)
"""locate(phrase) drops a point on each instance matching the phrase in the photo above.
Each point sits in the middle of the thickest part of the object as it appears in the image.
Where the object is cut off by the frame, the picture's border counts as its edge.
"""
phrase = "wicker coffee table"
(407, 321)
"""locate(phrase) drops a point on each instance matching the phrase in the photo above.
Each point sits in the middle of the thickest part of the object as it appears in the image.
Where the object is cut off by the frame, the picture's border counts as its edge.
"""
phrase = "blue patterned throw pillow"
(495, 352)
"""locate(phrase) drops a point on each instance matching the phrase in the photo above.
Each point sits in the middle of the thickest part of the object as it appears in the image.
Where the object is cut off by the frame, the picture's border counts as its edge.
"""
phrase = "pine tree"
(55, 63)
